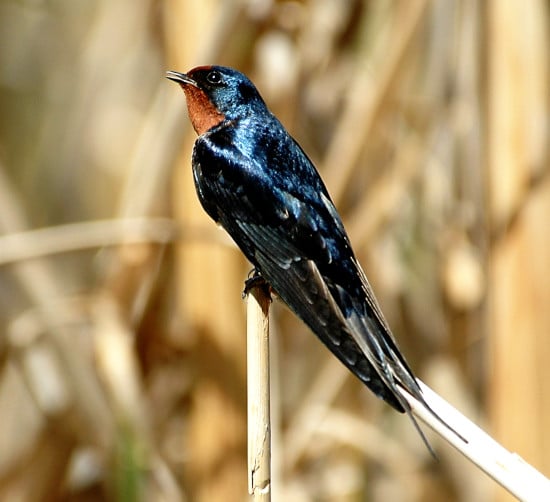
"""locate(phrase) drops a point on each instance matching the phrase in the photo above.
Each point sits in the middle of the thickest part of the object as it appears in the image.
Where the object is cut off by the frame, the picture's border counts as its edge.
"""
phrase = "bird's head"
(217, 93)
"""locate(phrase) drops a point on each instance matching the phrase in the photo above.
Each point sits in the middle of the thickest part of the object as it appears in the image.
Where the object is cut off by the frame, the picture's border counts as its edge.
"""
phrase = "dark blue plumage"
(255, 180)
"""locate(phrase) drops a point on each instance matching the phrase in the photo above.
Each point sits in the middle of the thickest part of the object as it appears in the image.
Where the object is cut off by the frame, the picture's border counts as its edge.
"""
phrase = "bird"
(254, 179)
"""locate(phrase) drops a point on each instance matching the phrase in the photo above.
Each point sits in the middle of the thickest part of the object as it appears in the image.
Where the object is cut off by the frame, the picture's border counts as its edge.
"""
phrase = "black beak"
(180, 78)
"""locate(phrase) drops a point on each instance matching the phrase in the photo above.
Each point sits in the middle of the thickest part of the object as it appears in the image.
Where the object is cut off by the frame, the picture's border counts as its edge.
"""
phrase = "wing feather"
(281, 216)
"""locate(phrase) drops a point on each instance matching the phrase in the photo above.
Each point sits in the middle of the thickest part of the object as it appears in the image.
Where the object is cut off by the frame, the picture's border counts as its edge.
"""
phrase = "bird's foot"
(255, 280)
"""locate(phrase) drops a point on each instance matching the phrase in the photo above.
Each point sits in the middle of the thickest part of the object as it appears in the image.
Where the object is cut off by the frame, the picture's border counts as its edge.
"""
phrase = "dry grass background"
(122, 338)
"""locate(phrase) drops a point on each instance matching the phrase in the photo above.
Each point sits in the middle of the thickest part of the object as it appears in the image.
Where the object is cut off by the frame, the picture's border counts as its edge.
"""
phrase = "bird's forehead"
(199, 69)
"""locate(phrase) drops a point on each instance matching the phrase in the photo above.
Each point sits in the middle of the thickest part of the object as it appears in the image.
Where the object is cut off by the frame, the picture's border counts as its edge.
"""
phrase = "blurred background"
(122, 328)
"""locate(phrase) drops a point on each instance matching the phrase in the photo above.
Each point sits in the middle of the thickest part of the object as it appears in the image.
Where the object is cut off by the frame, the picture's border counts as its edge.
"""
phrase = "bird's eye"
(214, 77)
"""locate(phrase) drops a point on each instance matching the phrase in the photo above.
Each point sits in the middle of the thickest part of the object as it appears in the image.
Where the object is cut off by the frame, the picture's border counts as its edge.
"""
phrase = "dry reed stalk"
(48, 241)
(209, 278)
(507, 469)
(364, 109)
(259, 422)
(519, 320)
(44, 291)
(48, 459)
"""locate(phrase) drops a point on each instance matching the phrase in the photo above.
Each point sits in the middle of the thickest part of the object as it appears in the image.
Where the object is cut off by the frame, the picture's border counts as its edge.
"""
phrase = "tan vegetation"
(122, 342)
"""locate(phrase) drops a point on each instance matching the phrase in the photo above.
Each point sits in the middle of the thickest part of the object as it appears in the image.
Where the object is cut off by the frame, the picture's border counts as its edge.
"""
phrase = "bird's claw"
(255, 280)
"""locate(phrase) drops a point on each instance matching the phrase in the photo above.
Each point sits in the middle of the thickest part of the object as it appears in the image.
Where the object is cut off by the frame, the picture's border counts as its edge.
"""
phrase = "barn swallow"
(255, 180)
